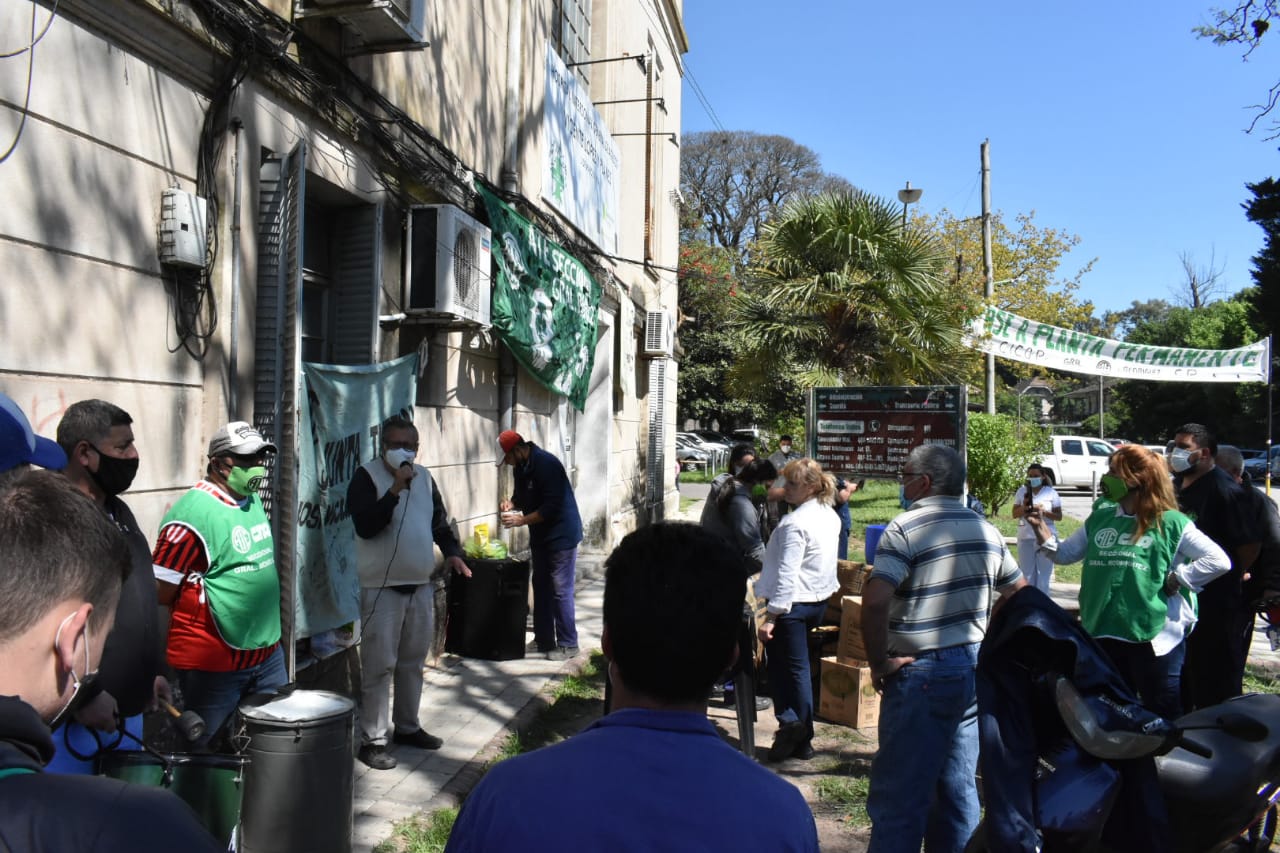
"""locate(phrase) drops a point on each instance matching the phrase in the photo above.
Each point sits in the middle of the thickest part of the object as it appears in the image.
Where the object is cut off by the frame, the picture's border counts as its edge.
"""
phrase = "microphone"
(409, 465)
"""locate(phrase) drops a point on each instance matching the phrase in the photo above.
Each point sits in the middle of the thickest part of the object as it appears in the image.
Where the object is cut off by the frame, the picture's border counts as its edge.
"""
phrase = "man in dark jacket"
(102, 460)
(64, 565)
(543, 501)
(1213, 670)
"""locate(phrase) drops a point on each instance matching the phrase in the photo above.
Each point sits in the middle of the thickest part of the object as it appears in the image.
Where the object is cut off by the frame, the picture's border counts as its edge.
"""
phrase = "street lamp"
(908, 196)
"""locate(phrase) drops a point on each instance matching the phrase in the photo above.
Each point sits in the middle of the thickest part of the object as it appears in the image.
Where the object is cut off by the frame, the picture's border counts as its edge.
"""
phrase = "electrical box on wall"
(183, 228)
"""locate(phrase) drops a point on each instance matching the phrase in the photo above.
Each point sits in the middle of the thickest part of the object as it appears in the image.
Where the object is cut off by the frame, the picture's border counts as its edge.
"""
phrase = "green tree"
(841, 294)
(1026, 262)
(1235, 412)
(1264, 296)
(999, 451)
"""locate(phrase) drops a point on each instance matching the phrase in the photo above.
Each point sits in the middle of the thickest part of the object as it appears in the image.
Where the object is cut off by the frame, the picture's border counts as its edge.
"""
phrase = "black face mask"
(114, 475)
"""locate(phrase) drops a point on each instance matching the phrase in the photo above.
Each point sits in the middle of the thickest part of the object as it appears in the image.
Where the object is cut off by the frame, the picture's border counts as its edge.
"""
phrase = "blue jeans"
(922, 777)
(787, 660)
(553, 614)
(216, 695)
(1156, 680)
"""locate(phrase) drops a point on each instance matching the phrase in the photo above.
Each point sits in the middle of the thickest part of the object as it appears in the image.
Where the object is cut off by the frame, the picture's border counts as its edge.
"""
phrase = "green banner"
(545, 304)
(345, 408)
(1013, 337)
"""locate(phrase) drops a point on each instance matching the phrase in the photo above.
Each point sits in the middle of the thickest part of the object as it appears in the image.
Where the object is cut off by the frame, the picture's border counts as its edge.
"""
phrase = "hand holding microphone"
(400, 461)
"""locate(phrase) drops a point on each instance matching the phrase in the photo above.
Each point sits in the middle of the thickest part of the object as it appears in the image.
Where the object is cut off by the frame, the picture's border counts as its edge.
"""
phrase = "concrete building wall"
(117, 97)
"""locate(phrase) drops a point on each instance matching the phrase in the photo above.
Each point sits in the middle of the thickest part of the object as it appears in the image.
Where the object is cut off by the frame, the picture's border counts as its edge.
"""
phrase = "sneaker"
(376, 756)
(562, 653)
(804, 752)
(419, 739)
(785, 742)
(763, 703)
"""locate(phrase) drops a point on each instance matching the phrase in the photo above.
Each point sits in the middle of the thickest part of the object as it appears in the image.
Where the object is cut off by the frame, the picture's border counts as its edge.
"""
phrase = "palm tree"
(841, 293)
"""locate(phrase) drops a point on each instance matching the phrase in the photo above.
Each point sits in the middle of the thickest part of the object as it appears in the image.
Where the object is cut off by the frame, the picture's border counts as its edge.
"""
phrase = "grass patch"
(877, 503)
(846, 791)
(1258, 680)
(421, 833)
(685, 503)
(575, 701)
(700, 475)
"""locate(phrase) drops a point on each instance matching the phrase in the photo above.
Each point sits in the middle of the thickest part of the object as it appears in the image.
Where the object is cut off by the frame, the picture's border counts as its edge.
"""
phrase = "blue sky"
(1112, 121)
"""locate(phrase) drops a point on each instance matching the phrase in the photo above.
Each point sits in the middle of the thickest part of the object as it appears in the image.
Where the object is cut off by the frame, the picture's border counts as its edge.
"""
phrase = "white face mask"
(399, 456)
(1180, 460)
(785, 448)
(76, 683)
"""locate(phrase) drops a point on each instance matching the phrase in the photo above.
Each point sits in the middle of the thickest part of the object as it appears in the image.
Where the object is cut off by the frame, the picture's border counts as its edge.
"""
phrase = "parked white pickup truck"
(1076, 460)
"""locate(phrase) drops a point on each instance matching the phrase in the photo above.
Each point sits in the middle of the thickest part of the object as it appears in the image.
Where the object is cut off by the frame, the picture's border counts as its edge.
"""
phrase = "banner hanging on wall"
(1010, 336)
(545, 303)
(341, 420)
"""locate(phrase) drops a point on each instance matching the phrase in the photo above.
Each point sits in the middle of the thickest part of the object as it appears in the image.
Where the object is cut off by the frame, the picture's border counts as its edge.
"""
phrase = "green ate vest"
(241, 584)
(1120, 587)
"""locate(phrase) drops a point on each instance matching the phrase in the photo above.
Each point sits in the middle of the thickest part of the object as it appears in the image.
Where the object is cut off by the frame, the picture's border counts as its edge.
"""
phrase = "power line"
(702, 98)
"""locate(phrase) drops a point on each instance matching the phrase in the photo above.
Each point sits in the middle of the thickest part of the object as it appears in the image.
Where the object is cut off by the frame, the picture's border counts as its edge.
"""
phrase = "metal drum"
(300, 781)
(211, 784)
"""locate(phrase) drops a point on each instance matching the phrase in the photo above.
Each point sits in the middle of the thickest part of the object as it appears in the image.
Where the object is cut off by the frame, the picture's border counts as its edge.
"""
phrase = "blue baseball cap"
(20, 446)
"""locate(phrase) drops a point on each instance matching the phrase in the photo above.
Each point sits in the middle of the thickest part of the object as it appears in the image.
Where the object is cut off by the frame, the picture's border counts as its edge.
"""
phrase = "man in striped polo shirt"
(939, 570)
(214, 563)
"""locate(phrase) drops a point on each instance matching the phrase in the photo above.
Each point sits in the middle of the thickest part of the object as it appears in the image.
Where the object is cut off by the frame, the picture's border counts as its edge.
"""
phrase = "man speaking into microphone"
(398, 515)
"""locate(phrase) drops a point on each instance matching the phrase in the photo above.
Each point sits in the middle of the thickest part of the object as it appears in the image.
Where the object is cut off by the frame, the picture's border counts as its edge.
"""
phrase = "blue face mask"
(902, 497)
(1035, 482)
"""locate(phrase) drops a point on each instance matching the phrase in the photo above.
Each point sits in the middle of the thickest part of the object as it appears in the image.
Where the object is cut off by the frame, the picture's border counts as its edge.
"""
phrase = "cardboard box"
(847, 696)
(851, 576)
(851, 646)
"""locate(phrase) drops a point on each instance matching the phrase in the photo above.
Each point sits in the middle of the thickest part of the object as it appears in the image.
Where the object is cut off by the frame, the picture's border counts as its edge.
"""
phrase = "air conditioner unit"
(447, 263)
(659, 336)
(382, 24)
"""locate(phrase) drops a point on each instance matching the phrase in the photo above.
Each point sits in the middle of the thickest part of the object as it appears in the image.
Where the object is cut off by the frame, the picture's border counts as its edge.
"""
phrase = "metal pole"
(988, 274)
(1102, 428)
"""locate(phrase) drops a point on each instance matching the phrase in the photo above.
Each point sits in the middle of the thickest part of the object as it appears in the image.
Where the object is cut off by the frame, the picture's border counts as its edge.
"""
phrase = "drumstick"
(189, 723)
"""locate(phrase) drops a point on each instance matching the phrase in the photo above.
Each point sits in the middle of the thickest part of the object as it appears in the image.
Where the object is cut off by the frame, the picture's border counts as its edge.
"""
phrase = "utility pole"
(988, 274)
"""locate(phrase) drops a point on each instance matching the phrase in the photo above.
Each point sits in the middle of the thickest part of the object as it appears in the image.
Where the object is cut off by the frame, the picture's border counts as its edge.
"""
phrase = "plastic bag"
(477, 542)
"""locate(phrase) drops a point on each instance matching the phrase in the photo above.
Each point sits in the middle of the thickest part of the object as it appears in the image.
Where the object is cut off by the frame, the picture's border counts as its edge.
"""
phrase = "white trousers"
(1037, 568)
(395, 636)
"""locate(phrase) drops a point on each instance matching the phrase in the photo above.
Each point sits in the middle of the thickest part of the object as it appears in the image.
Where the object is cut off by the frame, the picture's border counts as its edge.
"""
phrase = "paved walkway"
(468, 703)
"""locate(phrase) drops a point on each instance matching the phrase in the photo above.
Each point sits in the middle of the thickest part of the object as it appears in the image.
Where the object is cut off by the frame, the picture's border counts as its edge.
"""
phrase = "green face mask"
(760, 491)
(246, 481)
(1113, 488)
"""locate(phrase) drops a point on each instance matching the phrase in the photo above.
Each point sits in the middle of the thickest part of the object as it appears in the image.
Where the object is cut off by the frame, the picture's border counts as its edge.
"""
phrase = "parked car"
(710, 436)
(689, 455)
(1076, 460)
(694, 439)
(1256, 467)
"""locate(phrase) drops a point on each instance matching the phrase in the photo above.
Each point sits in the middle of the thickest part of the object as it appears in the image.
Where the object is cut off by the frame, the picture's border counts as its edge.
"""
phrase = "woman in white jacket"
(799, 576)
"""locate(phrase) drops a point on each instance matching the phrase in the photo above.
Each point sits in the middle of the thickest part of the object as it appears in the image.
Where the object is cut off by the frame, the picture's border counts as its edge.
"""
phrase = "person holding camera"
(1037, 566)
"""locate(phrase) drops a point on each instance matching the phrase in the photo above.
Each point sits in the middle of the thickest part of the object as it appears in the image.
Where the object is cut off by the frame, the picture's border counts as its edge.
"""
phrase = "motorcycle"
(1072, 761)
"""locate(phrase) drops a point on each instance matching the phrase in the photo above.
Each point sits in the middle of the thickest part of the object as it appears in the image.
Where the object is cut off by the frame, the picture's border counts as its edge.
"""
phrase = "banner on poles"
(341, 420)
(1010, 336)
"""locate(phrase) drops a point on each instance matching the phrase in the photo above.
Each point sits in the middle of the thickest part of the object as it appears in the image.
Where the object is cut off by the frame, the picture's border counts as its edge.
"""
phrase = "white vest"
(408, 539)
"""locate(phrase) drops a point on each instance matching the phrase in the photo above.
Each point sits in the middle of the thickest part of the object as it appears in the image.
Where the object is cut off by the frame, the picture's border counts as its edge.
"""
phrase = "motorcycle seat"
(1238, 766)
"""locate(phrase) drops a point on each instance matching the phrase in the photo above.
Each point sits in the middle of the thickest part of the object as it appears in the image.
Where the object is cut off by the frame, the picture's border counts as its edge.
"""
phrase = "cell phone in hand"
(1027, 498)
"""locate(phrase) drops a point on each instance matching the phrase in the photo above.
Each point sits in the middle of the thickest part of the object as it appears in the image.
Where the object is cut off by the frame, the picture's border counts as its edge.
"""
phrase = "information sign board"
(868, 431)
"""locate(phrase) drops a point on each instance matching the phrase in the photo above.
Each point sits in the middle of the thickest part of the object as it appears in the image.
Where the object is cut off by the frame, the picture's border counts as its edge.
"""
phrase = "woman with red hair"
(1143, 559)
